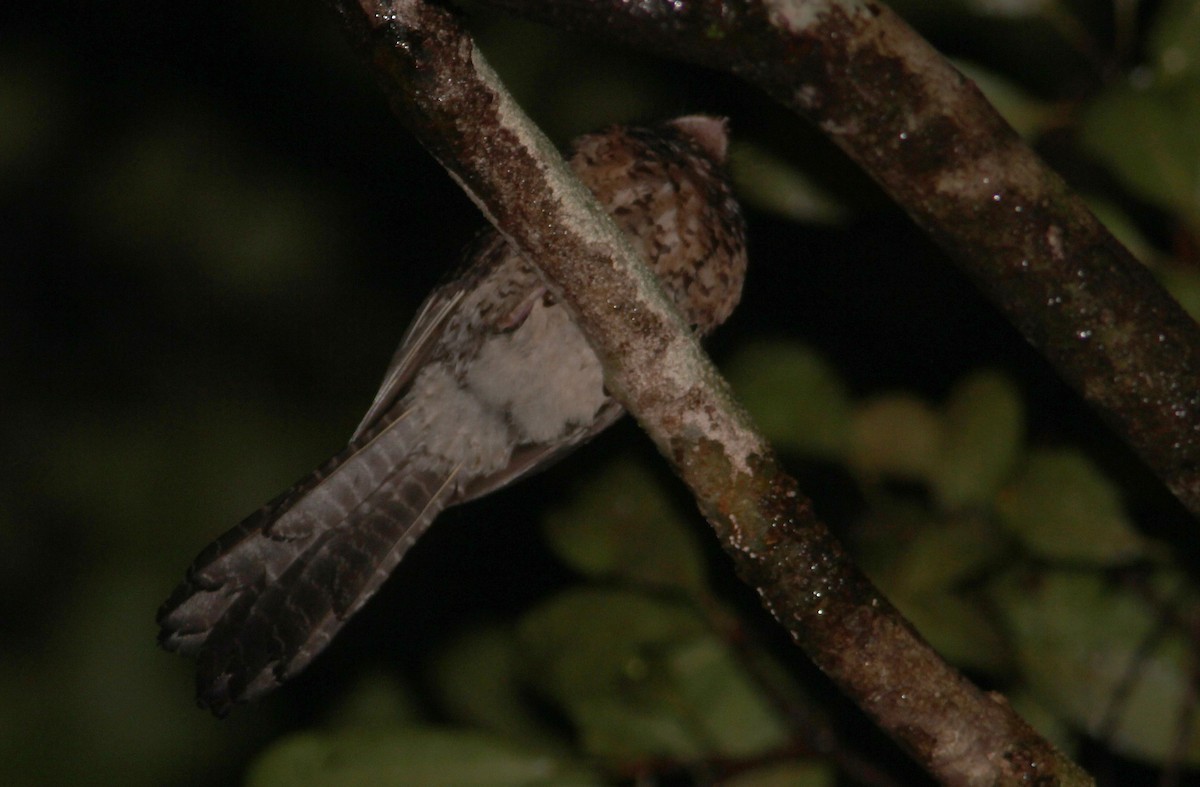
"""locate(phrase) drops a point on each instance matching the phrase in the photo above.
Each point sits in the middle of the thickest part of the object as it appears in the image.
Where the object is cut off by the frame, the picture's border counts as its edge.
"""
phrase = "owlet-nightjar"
(492, 381)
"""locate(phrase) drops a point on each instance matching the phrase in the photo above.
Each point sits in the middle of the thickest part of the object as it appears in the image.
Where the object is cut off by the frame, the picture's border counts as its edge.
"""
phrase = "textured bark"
(442, 89)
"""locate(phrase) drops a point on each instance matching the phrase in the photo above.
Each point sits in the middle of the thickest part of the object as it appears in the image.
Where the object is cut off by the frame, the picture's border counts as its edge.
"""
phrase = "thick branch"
(449, 97)
(928, 136)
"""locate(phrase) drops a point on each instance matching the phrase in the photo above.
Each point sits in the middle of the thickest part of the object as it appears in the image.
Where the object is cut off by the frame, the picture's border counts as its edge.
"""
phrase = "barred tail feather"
(265, 598)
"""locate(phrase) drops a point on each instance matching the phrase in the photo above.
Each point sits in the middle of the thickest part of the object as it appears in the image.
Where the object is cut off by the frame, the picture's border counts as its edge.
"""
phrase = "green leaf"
(958, 628)
(1078, 639)
(1050, 724)
(378, 699)
(476, 679)
(1183, 282)
(983, 432)
(644, 677)
(1173, 42)
(771, 183)
(586, 641)
(623, 524)
(406, 756)
(921, 578)
(619, 730)
(942, 554)
(1123, 228)
(1022, 111)
(1061, 507)
(896, 435)
(735, 718)
(795, 397)
(1148, 137)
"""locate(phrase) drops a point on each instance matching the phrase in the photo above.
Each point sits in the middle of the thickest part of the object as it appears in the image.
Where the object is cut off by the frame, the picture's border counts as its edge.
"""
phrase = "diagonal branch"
(443, 90)
(935, 144)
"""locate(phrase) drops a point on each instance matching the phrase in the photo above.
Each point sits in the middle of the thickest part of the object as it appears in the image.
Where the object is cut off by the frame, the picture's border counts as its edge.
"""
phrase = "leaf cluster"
(1019, 563)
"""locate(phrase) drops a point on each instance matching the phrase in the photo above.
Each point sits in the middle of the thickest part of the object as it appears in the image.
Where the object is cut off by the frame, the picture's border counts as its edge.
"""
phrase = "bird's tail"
(266, 597)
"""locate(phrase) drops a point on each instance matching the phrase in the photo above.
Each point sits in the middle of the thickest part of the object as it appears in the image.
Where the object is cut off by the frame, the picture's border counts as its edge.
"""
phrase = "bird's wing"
(414, 350)
(425, 330)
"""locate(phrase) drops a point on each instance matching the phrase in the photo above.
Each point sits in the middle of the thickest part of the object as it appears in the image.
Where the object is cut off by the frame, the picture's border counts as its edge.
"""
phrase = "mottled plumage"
(492, 381)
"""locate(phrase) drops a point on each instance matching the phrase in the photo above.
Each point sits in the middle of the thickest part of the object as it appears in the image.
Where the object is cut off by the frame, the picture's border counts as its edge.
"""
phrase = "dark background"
(213, 235)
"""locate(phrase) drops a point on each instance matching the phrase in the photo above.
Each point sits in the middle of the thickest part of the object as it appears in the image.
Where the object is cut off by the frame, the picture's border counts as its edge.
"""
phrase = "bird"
(492, 381)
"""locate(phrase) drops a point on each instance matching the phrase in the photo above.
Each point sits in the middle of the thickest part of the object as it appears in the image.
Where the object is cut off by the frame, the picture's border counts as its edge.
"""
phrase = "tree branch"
(443, 90)
(935, 144)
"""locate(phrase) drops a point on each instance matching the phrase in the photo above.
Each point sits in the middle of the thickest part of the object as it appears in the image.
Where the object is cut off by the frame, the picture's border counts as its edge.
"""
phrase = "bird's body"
(492, 381)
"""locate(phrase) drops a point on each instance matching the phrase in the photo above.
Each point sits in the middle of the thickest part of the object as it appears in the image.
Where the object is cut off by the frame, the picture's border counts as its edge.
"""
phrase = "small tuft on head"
(711, 134)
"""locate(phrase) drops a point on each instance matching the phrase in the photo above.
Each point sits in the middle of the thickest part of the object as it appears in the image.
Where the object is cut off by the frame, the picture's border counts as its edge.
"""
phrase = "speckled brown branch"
(446, 94)
(928, 136)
